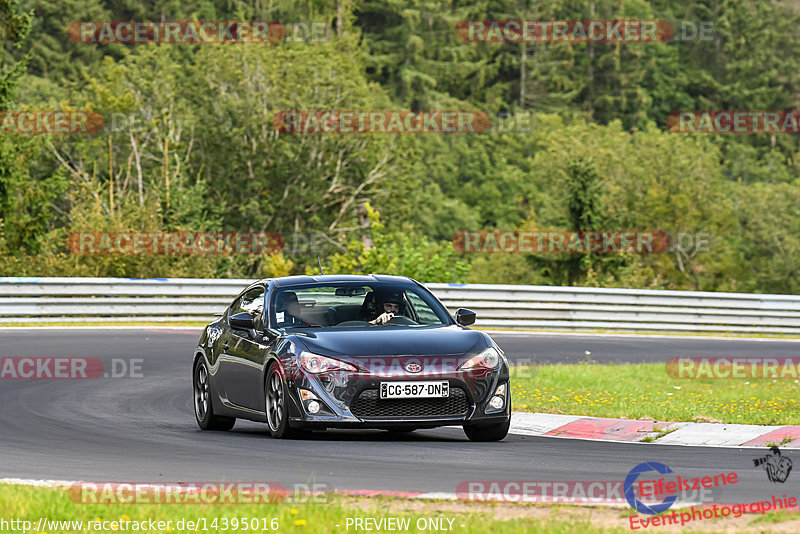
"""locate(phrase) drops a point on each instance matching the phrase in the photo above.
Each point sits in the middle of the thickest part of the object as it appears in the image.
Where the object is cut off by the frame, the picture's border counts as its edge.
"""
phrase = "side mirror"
(270, 334)
(242, 321)
(465, 317)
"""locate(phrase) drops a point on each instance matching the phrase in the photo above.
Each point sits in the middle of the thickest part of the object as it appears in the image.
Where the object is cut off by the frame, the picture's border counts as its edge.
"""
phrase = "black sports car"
(314, 352)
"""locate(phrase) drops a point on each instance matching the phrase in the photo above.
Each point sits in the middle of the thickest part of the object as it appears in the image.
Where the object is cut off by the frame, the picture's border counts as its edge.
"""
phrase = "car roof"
(333, 278)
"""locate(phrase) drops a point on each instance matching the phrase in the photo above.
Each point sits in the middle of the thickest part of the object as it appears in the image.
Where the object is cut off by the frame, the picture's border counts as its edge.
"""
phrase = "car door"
(241, 367)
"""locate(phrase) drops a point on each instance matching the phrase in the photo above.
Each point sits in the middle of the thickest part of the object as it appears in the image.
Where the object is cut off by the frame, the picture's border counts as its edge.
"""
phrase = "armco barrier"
(46, 300)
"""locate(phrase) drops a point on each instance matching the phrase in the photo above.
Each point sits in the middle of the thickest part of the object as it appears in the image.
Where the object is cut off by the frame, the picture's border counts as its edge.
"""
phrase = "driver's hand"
(382, 318)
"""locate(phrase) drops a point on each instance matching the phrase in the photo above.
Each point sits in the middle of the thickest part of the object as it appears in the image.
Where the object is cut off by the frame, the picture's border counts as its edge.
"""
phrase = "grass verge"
(32, 503)
(645, 391)
(35, 503)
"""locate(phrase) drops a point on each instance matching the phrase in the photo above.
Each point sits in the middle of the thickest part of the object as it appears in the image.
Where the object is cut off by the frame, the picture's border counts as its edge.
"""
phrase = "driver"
(289, 304)
(391, 307)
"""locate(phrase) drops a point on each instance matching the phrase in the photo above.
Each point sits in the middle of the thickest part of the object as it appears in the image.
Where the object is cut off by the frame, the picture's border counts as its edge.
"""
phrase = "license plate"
(404, 390)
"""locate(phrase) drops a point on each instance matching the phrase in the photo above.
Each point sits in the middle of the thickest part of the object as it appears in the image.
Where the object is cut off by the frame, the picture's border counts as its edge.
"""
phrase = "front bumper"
(352, 400)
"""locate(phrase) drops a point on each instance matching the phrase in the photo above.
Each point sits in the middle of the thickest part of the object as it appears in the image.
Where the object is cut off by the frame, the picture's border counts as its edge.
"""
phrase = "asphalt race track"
(143, 429)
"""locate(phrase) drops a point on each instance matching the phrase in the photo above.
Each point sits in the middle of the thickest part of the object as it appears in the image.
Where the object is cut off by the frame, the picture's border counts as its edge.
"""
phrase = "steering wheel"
(353, 323)
(403, 320)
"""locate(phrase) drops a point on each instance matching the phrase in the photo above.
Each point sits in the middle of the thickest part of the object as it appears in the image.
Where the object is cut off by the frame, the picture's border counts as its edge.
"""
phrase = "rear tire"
(203, 407)
(488, 433)
(276, 405)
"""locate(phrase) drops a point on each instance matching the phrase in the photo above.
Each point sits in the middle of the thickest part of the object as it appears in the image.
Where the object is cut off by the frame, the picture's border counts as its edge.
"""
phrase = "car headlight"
(488, 359)
(316, 364)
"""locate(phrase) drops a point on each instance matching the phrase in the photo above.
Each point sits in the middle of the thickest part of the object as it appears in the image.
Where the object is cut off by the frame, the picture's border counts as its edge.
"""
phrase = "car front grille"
(369, 405)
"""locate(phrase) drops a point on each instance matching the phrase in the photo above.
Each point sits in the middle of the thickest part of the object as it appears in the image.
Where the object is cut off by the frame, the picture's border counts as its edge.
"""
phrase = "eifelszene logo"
(630, 484)
(672, 490)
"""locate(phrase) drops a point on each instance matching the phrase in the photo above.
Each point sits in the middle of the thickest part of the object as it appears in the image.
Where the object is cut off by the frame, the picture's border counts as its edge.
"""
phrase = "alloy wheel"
(275, 401)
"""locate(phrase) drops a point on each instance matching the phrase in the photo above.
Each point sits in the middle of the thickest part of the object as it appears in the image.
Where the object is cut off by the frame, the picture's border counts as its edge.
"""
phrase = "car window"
(351, 305)
(251, 302)
(423, 311)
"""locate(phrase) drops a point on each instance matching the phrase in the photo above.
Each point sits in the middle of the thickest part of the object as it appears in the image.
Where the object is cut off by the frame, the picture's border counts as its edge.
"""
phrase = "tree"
(398, 254)
(24, 201)
(584, 207)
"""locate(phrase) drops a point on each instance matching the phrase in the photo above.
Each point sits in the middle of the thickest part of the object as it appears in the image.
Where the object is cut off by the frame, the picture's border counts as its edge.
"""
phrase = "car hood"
(393, 341)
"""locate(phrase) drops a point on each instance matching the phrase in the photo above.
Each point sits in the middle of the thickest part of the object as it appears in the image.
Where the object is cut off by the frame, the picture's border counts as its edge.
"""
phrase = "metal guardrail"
(588, 308)
(47, 300)
(77, 300)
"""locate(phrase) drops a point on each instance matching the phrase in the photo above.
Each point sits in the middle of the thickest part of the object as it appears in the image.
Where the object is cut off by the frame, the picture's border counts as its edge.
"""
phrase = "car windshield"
(355, 306)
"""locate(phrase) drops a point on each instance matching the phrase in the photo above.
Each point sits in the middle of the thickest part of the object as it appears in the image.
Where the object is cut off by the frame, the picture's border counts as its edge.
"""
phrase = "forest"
(578, 140)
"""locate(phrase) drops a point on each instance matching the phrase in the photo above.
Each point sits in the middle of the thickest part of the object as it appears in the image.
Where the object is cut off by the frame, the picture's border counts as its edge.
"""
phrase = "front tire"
(276, 397)
(203, 408)
(494, 432)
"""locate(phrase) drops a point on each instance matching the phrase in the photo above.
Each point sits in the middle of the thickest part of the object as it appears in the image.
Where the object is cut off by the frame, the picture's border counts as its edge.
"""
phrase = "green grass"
(638, 391)
(776, 517)
(32, 503)
(660, 433)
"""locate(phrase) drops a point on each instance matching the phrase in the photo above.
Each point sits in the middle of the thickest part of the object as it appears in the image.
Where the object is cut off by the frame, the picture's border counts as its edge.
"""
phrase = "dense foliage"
(578, 142)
